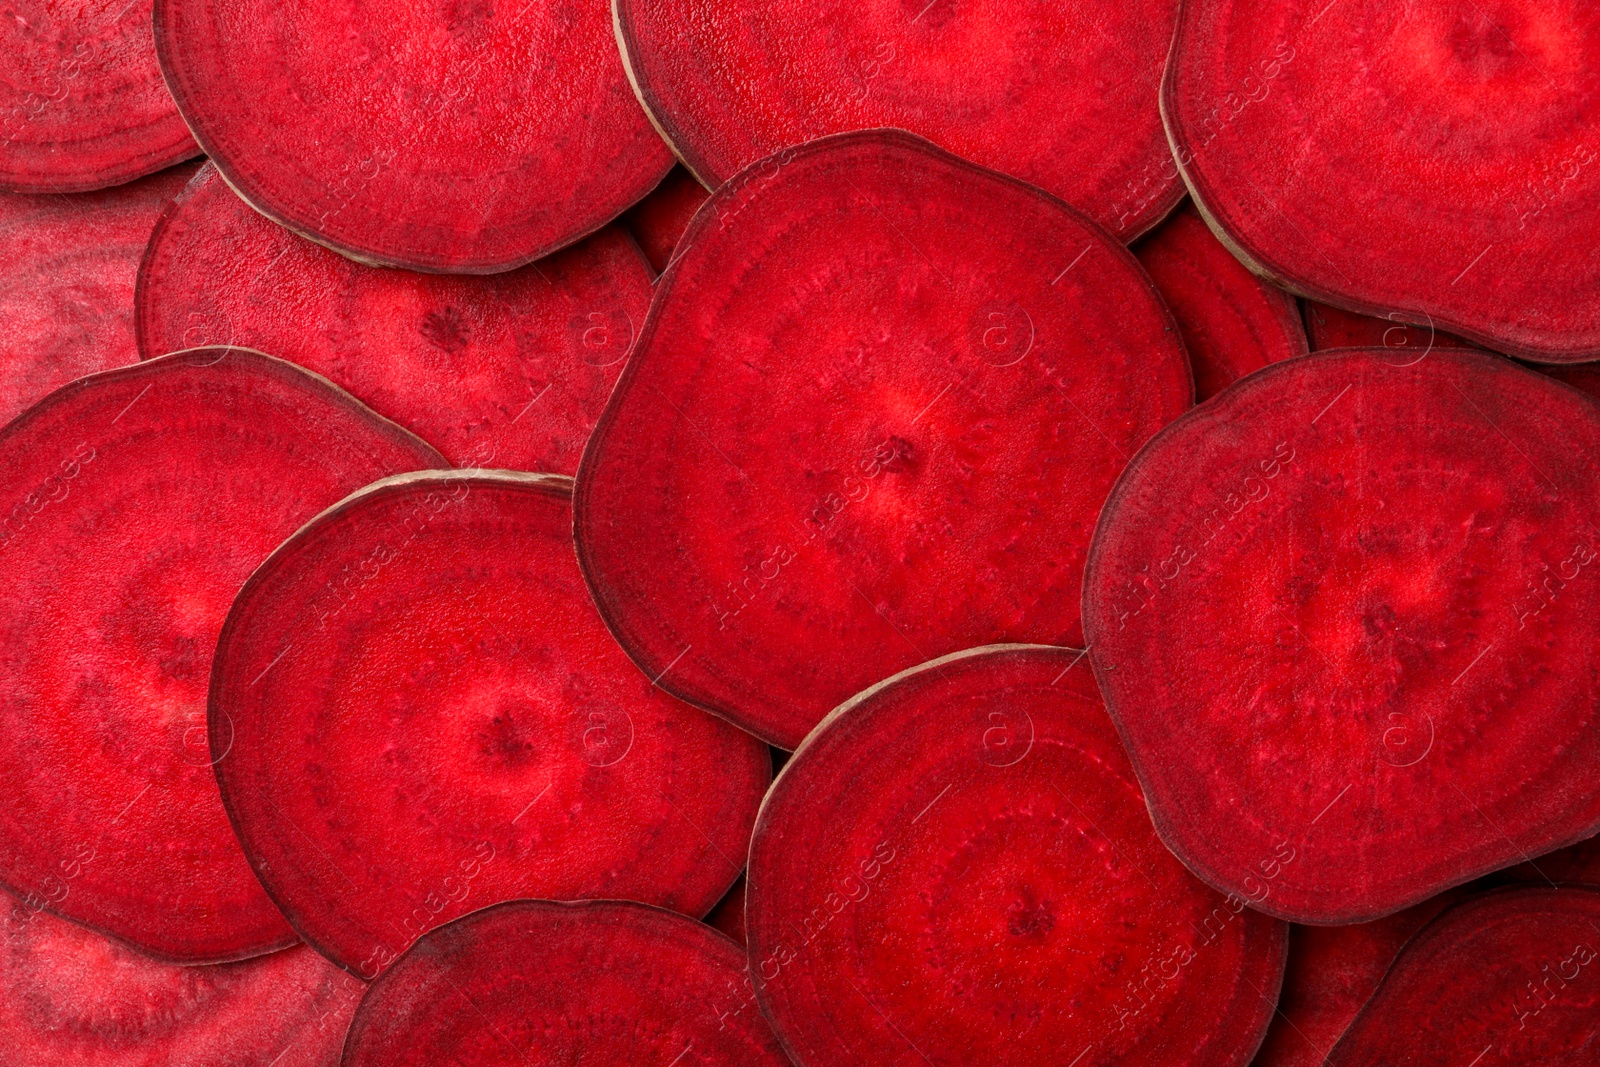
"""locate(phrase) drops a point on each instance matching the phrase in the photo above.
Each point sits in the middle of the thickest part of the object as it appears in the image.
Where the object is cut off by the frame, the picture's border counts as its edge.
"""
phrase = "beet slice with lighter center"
(957, 868)
(871, 418)
(535, 983)
(510, 370)
(1331, 327)
(416, 711)
(138, 500)
(1353, 603)
(658, 221)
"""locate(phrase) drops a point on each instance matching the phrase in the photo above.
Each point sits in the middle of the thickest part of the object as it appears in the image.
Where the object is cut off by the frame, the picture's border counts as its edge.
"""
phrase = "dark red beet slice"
(1585, 377)
(82, 103)
(657, 222)
(508, 371)
(66, 283)
(1379, 568)
(1432, 163)
(1232, 322)
(1507, 978)
(873, 414)
(957, 868)
(1063, 97)
(416, 711)
(69, 996)
(535, 983)
(1331, 327)
(1576, 863)
(137, 502)
(465, 137)
(728, 915)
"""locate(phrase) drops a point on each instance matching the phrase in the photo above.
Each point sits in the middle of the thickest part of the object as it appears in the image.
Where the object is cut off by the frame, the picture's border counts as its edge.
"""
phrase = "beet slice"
(657, 222)
(1576, 863)
(1585, 377)
(139, 500)
(957, 866)
(416, 711)
(1232, 322)
(1506, 978)
(1432, 163)
(1066, 98)
(67, 280)
(464, 137)
(70, 996)
(1331, 327)
(535, 982)
(871, 418)
(511, 370)
(1378, 568)
(728, 915)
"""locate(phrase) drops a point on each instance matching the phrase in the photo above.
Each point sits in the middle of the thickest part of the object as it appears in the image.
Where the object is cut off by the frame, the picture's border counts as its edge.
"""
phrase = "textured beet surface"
(535, 983)
(416, 711)
(1504, 979)
(874, 412)
(137, 502)
(1585, 377)
(1352, 604)
(464, 136)
(510, 370)
(1331, 327)
(657, 222)
(1062, 96)
(1232, 322)
(1431, 161)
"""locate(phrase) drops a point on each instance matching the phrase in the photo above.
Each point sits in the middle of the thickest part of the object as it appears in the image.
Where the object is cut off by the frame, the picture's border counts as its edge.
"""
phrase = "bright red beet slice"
(509, 371)
(1507, 978)
(1431, 162)
(1232, 322)
(138, 501)
(957, 868)
(1063, 97)
(464, 137)
(1331, 327)
(416, 711)
(69, 996)
(873, 414)
(728, 915)
(534, 983)
(657, 222)
(1377, 568)
(66, 283)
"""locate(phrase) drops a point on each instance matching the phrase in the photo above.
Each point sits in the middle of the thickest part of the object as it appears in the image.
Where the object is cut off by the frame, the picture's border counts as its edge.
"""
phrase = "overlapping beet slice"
(657, 222)
(1435, 163)
(510, 370)
(464, 137)
(728, 915)
(1352, 606)
(1575, 863)
(874, 412)
(1331, 327)
(1232, 322)
(535, 983)
(137, 501)
(957, 865)
(416, 711)
(1584, 377)
(1063, 97)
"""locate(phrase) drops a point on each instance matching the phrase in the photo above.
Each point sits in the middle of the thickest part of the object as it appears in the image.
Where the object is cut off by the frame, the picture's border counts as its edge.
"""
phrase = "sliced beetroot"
(416, 711)
(139, 500)
(1063, 97)
(1507, 978)
(464, 137)
(728, 915)
(509, 371)
(1232, 322)
(957, 865)
(1379, 569)
(70, 996)
(871, 418)
(657, 222)
(1331, 327)
(535, 983)
(66, 283)
(1434, 163)
(1585, 377)
(1575, 863)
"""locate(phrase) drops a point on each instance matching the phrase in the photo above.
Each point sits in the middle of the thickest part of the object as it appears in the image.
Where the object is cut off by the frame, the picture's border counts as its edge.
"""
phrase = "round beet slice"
(658, 221)
(510, 370)
(1353, 604)
(957, 868)
(416, 711)
(67, 282)
(871, 418)
(536, 983)
(1435, 163)
(1506, 978)
(462, 137)
(70, 996)
(1065, 97)
(1232, 322)
(1331, 327)
(138, 500)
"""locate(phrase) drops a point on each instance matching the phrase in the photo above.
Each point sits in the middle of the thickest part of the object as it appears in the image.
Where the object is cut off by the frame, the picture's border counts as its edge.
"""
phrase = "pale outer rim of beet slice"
(644, 103)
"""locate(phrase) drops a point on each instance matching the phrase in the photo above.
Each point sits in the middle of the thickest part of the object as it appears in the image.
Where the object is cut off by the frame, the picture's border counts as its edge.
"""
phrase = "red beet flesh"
(728, 915)
(657, 222)
(1331, 327)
